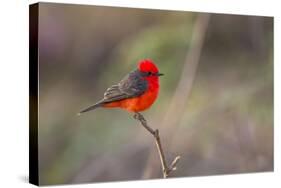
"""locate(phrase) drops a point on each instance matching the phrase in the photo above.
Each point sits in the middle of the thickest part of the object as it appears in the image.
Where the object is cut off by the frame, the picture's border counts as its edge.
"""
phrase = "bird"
(136, 92)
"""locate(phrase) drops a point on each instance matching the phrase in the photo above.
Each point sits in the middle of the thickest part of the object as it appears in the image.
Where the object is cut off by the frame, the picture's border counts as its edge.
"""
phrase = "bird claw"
(137, 116)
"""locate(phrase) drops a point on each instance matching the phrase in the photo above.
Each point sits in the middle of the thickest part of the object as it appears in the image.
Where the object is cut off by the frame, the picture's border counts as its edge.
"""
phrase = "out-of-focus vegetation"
(227, 124)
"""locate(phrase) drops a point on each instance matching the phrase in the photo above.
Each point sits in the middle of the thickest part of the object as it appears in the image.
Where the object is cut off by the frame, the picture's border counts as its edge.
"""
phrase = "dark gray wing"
(132, 85)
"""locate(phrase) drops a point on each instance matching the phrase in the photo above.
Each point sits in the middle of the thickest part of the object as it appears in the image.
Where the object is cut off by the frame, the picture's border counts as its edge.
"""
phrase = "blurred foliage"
(227, 126)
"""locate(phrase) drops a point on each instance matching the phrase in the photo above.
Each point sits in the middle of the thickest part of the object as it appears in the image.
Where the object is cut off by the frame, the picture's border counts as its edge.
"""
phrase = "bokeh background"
(215, 107)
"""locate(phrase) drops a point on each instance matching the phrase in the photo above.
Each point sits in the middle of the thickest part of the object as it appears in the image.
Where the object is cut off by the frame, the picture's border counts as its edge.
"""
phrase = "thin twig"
(165, 168)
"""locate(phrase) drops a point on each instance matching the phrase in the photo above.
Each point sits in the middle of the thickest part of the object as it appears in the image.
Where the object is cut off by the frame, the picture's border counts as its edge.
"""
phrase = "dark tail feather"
(99, 104)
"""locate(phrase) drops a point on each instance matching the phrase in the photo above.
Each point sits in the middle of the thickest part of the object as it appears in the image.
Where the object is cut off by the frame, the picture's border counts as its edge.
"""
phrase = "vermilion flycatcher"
(136, 92)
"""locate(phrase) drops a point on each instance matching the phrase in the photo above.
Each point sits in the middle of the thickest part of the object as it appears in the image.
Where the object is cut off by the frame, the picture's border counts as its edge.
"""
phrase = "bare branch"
(166, 169)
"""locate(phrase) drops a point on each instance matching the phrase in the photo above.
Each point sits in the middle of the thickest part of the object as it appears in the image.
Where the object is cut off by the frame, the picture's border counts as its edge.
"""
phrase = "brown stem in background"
(165, 168)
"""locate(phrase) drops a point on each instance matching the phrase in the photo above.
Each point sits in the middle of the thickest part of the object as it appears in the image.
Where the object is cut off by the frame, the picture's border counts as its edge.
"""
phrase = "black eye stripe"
(149, 73)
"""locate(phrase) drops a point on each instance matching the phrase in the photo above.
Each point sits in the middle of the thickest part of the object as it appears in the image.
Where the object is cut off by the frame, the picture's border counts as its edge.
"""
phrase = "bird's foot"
(139, 117)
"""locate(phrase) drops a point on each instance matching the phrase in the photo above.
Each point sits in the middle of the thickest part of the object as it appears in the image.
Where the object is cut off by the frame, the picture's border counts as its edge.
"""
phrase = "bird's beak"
(160, 74)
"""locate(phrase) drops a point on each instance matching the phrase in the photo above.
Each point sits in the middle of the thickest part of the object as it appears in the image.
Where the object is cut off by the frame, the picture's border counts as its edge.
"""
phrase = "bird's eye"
(149, 73)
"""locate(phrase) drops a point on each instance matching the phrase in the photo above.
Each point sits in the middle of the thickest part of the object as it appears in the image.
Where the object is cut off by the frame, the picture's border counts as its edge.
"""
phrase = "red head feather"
(147, 65)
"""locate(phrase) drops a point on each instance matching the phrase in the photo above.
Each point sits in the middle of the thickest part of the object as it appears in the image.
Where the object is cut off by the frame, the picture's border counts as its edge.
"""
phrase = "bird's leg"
(165, 168)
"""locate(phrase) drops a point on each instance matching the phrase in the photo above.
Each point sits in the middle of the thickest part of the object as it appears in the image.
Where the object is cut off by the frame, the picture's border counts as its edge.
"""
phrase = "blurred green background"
(215, 106)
